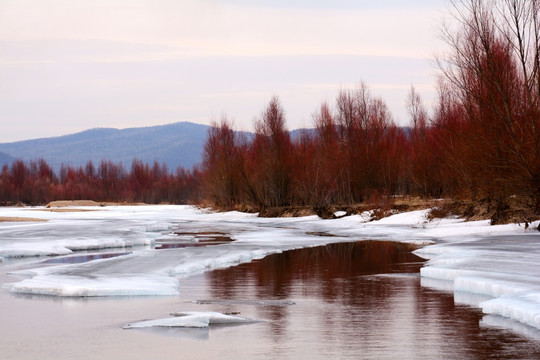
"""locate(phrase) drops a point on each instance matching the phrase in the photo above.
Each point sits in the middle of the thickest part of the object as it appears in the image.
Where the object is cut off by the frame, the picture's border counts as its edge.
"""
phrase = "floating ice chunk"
(216, 317)
(192, 319)
(69, 285)
(523, 307)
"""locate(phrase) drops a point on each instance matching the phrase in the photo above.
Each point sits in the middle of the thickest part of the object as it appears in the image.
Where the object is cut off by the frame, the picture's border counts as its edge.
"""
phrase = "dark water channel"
(363, 300)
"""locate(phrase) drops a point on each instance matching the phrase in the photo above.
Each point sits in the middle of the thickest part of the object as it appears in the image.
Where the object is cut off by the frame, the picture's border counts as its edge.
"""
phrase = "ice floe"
(192, 319)
(80, 286)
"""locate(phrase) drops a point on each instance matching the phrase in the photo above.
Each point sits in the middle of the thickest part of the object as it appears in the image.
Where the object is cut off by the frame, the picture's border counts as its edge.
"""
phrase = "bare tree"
(493, 72)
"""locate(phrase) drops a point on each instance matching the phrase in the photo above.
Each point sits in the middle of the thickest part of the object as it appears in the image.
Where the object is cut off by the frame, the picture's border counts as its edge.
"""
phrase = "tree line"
(36, 183)
(481, 141)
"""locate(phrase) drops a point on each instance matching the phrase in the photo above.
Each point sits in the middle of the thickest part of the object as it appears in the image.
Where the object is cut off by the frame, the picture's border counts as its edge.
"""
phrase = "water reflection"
(344, 304)
(330, 272)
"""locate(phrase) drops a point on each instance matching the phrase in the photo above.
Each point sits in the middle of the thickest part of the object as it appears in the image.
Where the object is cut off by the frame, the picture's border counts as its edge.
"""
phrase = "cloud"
(77, 64)
(225, 28)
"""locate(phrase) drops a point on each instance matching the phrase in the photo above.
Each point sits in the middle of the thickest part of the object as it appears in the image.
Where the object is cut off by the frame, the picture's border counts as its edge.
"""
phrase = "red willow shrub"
(36, 183)
(490, 118)
(349, 155)
(481, 142)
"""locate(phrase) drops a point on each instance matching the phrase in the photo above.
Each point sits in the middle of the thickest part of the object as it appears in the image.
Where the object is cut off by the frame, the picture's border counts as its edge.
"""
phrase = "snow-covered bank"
(494, 267)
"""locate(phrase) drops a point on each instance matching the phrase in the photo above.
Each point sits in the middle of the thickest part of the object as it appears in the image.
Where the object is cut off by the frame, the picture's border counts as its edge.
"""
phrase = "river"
(359, 300)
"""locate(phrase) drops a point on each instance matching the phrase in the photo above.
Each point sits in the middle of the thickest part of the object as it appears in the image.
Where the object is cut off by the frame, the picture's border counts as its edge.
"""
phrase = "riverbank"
(514, 210)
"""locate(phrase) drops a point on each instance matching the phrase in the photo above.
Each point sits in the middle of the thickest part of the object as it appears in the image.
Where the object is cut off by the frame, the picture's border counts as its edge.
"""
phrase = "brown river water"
(358, 300)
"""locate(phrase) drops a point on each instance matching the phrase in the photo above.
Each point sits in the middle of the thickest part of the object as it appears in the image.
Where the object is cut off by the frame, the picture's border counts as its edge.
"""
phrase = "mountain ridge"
(175, 144)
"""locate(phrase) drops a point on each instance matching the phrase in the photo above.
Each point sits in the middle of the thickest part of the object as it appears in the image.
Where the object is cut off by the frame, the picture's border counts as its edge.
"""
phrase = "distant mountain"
(178, 144)
(5, 159)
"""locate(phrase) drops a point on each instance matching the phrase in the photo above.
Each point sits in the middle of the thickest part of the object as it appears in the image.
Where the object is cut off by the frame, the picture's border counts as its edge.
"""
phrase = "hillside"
(178, 144)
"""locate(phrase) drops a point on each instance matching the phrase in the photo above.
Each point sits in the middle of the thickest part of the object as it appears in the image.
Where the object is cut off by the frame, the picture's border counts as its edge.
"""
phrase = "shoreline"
(513, 213)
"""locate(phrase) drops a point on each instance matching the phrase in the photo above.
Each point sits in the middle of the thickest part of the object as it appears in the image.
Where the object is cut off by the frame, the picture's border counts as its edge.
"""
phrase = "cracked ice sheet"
(65, 232)
(498, 266)
(134, 274)
(133, 225)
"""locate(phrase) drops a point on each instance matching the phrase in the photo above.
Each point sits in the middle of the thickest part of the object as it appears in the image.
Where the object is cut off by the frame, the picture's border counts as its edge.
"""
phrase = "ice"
(468, 298)
(65, 232)
(496, 268)
(521, 306)
(78, 286)
(216, 318)
(35, 249)
(507, 323)
(192, 319)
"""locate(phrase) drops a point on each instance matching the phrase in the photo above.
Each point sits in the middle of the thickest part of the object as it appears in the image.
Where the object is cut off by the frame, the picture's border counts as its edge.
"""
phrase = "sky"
(72, 65)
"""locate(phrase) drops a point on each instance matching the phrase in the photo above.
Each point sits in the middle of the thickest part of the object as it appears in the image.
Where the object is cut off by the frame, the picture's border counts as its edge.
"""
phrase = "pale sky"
(71, 65)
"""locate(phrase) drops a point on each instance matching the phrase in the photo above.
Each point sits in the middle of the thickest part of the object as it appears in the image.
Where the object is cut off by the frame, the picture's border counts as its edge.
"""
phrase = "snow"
(495, 268)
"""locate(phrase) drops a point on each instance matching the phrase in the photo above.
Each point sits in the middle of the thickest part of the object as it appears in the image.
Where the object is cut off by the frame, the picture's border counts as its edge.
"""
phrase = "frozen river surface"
(479, 290)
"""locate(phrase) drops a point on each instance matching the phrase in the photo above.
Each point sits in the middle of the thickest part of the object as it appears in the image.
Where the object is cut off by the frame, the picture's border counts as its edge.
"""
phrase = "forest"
(480, 142)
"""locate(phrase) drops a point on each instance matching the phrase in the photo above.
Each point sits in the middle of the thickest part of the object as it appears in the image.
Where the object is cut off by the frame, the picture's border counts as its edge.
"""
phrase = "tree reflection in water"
(321, 270)
(335, 273)
(362, 298)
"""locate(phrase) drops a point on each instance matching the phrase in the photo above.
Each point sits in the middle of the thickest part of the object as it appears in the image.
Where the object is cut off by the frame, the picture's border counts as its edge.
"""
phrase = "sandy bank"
(20, 219)
(69, 203)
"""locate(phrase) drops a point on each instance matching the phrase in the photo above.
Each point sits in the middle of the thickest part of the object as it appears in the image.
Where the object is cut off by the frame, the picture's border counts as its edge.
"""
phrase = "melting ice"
(496, 268)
